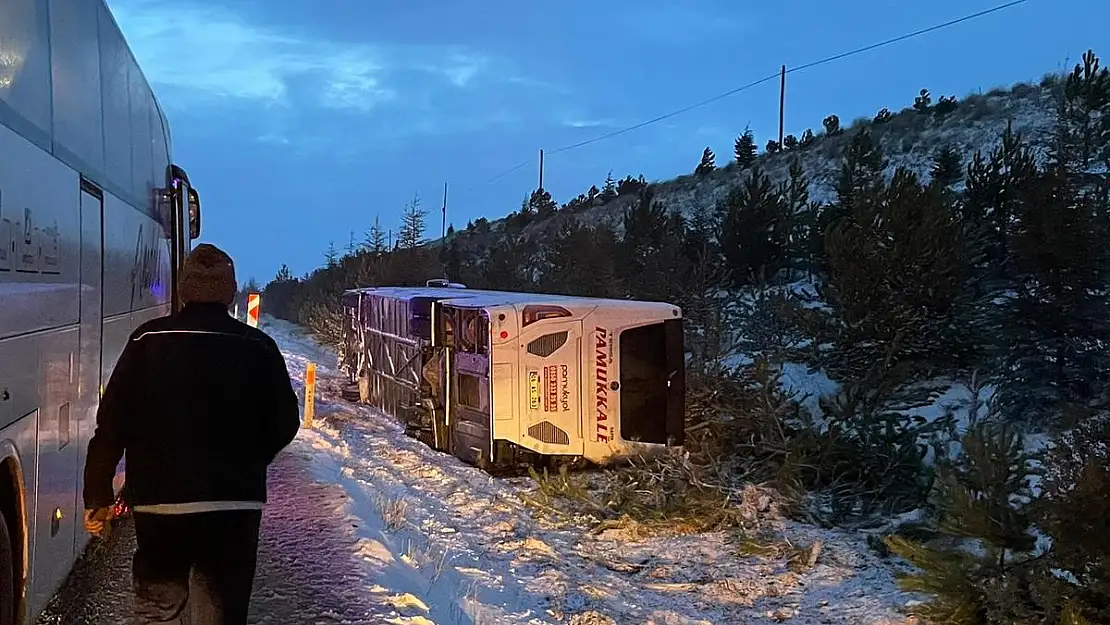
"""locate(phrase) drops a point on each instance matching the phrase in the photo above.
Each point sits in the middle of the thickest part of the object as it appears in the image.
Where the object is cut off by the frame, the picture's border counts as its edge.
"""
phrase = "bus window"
(449, 327)
(473, 328)
(470, 391)
(643, 384)
(482, 338)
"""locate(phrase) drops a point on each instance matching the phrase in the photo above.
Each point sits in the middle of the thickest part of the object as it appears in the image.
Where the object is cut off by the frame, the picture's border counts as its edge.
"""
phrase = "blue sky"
(300, 120)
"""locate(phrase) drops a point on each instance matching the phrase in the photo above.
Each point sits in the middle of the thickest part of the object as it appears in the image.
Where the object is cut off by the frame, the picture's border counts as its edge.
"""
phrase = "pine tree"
(700, 236)
(541, 205)
(450, 229)
(451, 259)
(252, 286)
(351, 248)
(896, 269)
(706, 165)
(947, 168)
(945, 106)
(752, 235)
(862, 175)
(861, 183)
(1082, 139)
(808, 137)
(580, 261)
(993, 192)
(984, 497)
(280, 294)
(789, 142)
(707, 320)
(509, 265)
(331, 256)
(1058, 321)
(412, 230)
(798, 212)
(745, 148)
(1073, 511)
(375, 241)
(832, 125)
(773, 146)
(631, 186)
(609, 189)
(923, 102)
(651, 253)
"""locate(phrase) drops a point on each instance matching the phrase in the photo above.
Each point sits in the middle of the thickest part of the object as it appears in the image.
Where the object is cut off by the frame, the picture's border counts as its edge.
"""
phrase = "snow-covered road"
(366, 525)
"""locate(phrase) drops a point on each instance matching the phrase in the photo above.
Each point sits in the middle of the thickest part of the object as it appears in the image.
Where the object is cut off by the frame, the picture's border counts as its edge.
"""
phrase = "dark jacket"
(201, 403)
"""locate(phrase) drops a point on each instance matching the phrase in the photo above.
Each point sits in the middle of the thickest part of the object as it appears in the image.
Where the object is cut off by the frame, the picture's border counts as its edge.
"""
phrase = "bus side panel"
(57, 513)
(136, 274)
(119, 227)
(136, 280)
(39, 275)
(505, 381)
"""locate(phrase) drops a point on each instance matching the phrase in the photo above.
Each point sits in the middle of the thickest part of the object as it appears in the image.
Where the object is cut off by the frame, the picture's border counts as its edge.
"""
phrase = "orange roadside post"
(309, 394)
(254, 301)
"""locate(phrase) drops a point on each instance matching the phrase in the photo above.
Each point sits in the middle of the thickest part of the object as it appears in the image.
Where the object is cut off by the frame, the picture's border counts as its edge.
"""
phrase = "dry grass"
(392, 510)
(734, 428)
(668, 495)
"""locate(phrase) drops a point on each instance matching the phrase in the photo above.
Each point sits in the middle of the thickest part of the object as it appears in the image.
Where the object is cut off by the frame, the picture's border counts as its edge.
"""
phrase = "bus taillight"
(538, 312)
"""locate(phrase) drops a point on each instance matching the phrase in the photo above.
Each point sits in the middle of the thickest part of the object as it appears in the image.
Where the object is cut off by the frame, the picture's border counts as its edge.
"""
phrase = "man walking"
(201, 404)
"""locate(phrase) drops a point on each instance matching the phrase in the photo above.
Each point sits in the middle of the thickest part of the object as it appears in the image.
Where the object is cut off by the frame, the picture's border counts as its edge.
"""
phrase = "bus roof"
(479, 298)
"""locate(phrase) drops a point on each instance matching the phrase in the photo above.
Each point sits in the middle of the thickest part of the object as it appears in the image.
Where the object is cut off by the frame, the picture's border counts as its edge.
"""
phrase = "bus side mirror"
(194, 214)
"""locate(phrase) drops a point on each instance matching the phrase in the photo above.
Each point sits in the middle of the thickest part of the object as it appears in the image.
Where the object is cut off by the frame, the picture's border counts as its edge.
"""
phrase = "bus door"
(469, 422)
(551, 365)
(90, 349)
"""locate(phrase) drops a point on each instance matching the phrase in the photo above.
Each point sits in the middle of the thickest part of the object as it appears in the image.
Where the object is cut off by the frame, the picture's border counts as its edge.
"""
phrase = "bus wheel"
(7, 575)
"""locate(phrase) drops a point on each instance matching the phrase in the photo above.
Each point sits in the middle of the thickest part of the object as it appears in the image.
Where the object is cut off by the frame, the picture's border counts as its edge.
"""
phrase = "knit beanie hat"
(208, 276)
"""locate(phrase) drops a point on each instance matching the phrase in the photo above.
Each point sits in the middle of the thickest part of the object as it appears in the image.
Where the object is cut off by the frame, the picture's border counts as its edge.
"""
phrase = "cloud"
(224, 57)
(575, 122)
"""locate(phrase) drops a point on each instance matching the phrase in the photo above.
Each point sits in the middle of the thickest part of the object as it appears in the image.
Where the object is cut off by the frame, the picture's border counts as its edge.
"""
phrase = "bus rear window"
(643, 379)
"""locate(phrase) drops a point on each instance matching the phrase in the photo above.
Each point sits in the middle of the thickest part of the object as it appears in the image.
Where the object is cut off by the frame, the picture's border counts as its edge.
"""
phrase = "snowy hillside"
(908, 139)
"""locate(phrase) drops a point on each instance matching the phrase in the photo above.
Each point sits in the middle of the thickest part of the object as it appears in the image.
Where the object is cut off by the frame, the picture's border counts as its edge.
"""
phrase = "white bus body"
(487, 374)
(94, 221)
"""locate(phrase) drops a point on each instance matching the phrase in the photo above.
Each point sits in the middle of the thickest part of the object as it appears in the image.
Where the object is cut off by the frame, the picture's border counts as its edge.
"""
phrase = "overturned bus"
(499, 378)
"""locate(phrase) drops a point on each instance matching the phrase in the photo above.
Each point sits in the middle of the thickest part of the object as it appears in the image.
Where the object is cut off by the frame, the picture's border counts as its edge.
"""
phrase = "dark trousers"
(195, 569)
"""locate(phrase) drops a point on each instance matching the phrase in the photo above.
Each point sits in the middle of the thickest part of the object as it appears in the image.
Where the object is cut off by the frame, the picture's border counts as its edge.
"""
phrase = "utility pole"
(782, 101)
(443, 231)
(541, 169)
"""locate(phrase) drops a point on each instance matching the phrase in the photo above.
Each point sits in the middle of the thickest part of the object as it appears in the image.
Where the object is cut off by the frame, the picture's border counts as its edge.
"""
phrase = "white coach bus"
(497, 378)
(94, 222)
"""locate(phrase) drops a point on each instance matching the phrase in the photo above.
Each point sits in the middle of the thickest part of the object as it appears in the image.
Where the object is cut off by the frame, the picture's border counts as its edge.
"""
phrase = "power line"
(668, 115)
(916, 33)
(509, 171)
(770, 77)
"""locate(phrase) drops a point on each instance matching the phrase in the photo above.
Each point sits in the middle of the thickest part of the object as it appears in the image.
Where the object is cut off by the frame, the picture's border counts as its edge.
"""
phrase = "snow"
(908, 140)
(437, 541)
